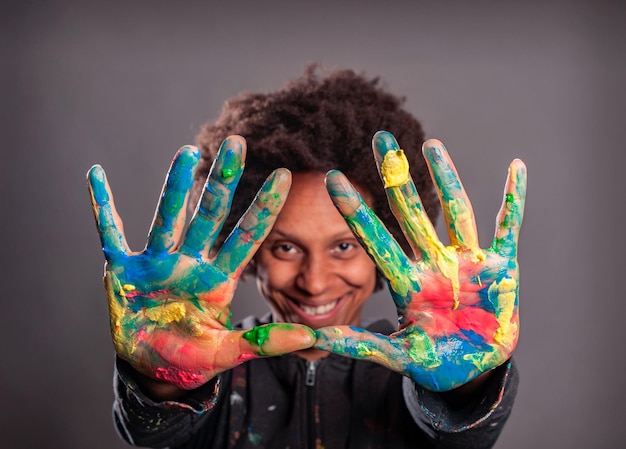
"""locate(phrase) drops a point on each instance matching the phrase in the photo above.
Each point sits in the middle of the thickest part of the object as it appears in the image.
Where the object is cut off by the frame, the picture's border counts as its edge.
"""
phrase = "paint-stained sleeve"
(474, 426)
(143, 422)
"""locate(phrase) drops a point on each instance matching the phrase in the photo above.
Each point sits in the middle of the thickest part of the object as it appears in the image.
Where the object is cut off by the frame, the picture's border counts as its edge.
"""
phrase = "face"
(311, 269)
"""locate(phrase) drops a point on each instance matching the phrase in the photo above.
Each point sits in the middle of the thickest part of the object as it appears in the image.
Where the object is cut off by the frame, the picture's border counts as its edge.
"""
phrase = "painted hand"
(169, 304)
(457, 304)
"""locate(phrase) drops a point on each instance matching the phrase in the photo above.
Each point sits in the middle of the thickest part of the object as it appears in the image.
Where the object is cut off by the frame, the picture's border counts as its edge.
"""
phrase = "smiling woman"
(311, 268)
(318, 246)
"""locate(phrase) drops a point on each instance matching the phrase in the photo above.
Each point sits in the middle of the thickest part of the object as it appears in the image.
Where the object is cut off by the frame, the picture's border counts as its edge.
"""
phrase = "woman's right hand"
(170, 303)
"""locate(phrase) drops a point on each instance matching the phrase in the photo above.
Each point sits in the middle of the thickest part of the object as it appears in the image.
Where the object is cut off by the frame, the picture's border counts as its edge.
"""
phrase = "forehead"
(307, 187)
(309, 209)
(307, 195)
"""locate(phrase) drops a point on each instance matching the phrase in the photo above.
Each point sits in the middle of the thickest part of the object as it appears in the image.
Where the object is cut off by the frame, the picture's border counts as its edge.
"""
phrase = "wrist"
(158, 390)
(468, 392)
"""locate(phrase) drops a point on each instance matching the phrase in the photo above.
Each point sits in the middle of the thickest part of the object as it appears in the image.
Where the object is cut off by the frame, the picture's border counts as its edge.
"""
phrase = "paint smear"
(395, 169)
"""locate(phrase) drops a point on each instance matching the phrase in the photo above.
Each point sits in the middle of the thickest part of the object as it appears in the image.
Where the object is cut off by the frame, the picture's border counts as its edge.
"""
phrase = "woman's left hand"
(457, 304)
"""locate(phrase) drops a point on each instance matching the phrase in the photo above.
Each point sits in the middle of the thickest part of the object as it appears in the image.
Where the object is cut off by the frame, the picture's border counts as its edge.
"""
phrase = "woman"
(308, 374)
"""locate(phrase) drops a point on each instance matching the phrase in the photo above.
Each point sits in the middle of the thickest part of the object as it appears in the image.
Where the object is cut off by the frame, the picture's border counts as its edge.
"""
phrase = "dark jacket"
(336, 402)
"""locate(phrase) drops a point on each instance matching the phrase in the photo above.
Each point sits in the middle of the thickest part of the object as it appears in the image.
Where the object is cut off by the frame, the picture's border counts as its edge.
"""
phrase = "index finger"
(255, 224)
(357, 343)
(109, 223)
(382, 247)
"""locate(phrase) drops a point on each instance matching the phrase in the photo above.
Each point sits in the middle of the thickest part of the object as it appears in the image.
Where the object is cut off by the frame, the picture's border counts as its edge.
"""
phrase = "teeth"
(318, 310)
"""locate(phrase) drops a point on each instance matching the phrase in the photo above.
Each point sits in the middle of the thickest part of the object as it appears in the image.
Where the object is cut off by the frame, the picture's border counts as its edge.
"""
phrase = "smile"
(318, 310)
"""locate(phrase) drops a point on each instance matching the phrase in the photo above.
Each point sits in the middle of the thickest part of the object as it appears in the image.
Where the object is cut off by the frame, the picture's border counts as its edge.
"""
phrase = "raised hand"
(457, 304)
(170, 303)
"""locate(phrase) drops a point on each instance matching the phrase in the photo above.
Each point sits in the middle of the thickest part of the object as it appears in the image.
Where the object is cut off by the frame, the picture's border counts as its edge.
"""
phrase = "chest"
(333, 403)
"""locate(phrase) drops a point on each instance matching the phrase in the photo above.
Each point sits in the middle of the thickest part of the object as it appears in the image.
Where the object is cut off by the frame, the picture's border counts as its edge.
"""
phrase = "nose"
(315, 274)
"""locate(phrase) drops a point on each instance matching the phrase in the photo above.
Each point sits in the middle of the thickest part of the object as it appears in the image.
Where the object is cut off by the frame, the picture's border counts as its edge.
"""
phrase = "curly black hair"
(315, 124)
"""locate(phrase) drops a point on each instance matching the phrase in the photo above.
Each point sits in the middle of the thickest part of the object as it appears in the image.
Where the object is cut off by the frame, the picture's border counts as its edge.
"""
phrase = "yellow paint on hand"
(448, 264)
(506, 293)
(166, 313)
(117, 299)
(483, 361)
(445, 258)
(363, 349)
(422, 349)
(194, 327)
(395, 169)
(478, 255)
(116, 311)
(461, 219)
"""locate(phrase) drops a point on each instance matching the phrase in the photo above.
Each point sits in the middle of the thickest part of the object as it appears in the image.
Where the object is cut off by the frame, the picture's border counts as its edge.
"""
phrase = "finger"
(403, 197)
(357, 343)
(169, 218)
(457, 209)
(275, 339)
(511, 212)
(109, 223)
(217, 197)
(255, 224)
(412, 354)
(371, 232)
(186, 362)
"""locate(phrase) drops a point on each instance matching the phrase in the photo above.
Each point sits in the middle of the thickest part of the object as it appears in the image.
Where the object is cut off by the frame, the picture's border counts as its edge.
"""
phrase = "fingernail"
(433, 149)
(384, 142)
(231, 165)
(97, 182)
(231, 158)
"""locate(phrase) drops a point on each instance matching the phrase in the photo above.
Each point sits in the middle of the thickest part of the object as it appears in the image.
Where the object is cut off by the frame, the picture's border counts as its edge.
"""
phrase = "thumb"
(357, 343)
(275, 339)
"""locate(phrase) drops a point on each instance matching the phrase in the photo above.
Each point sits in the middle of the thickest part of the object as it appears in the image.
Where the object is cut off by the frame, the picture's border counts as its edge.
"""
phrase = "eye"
(345, 250)
(345, 246)
(285, 247)
(285, 251)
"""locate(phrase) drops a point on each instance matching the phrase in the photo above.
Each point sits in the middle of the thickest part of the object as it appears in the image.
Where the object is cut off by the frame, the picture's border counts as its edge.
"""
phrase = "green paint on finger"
(231, 165)
(258, 336)
(227, 173)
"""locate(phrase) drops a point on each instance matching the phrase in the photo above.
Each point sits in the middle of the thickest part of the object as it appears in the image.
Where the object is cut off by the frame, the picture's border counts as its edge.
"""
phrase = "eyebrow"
(288, 236)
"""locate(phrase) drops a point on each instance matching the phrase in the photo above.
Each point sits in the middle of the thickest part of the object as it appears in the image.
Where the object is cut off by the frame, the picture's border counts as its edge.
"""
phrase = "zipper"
(311, 366)
(309, 381)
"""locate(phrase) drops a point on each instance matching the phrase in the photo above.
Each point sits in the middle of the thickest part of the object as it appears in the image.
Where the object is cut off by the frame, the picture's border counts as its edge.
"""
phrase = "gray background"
(125, 84)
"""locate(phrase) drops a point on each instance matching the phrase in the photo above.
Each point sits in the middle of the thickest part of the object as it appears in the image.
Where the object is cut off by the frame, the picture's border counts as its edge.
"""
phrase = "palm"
(443, 342)
(170, 304)
(168, 326)
(457, 304)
